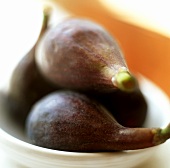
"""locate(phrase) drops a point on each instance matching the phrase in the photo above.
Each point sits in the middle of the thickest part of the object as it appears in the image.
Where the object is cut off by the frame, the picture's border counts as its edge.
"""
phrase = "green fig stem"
(125, 81)
(46, 17)
(161, 135)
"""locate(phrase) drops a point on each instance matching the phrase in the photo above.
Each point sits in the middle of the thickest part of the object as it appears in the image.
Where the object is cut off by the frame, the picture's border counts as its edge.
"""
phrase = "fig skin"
(70, 121)
(128, 108)
(81, 55)
(26, 86)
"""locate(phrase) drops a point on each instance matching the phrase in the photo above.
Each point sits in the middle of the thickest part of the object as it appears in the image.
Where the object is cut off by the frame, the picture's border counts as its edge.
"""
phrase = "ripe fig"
(70, 121)
(26, 84)
(80, 54)
(128, 108)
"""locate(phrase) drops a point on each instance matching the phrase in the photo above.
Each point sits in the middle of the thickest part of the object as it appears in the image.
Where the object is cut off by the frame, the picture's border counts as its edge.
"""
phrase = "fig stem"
(125, 81)
(139, 138)
(46, 18)
(162, 135)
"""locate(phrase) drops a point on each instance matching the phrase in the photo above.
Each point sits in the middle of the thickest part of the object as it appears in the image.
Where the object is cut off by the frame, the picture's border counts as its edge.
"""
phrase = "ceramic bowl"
(21, 154)
(15, 146)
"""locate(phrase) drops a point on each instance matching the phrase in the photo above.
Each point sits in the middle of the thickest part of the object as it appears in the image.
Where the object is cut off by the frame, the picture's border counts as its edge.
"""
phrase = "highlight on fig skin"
(80, 54)
(70, 121)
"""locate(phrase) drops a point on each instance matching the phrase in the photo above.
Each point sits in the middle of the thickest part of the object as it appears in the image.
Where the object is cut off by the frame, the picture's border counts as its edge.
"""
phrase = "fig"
(128, 108)
(26, 84)
(71, 121)
(81, 55)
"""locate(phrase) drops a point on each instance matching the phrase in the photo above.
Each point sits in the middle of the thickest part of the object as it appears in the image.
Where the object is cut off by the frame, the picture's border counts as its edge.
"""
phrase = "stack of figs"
(76, 93)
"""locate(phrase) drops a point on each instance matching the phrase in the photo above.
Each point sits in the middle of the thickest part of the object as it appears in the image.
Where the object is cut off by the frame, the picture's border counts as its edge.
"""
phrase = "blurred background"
(141, 27)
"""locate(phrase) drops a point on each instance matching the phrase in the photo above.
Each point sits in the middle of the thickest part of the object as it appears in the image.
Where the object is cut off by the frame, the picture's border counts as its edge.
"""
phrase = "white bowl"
(19, 153)
(13, 141)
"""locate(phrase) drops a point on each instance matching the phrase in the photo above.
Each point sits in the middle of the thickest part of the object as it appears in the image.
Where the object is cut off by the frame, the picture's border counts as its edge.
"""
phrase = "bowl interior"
(13, 135)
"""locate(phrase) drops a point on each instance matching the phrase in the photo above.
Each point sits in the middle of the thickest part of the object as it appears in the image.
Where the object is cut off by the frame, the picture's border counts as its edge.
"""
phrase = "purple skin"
(128, 108)
(70, 121)
(81, 55)
(27, 85)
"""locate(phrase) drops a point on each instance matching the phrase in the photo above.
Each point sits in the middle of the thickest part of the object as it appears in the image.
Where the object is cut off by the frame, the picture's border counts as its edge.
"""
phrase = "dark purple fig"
(128, 108)
(26, 84)
(80, 54)
(26, 87)
(70, 121)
